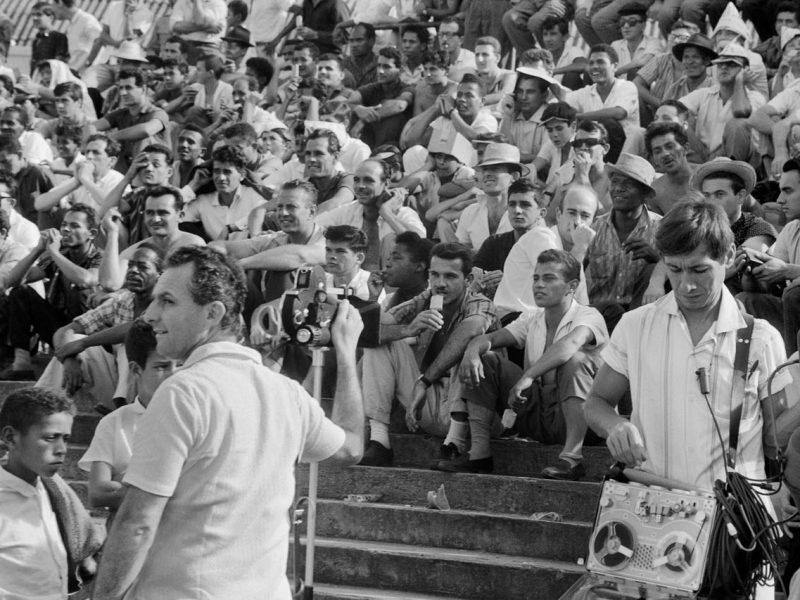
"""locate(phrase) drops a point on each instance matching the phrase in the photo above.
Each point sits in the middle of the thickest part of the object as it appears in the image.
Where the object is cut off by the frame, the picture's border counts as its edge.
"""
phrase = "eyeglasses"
(679, 37)
(585, 143)
(632, 22)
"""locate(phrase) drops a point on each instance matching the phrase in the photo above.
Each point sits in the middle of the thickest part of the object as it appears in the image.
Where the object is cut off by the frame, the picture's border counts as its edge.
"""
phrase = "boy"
(560, 121)
(345, 250)
(108, 456)
(47, 43)
(36, 560)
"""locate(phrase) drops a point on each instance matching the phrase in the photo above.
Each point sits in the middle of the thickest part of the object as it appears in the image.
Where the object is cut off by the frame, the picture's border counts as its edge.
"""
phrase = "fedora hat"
(537, 73)
(238, 35)
(733, 52)
(634, 167)
(699, 41)
(741, 169)
(502, 154)
(130, 50)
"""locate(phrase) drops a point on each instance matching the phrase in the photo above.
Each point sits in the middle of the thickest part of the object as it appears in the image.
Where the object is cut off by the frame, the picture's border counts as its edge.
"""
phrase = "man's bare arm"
(453, 350)
(128, 543)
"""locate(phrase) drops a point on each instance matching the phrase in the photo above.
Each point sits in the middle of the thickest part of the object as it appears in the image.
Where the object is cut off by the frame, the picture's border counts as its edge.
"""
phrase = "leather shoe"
(567, 472)
(446, 452)
(13, 375)
(377, 455)
(463, 464)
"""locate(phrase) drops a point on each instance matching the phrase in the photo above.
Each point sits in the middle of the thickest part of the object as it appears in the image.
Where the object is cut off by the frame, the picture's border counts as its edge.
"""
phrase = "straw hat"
(502, 154)
(130, 50)
(634, 167)
(741, 169)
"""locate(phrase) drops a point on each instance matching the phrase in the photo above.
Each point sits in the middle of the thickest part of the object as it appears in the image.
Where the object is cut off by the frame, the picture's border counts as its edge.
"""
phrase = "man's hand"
(772, 271)
(84, 172)
(346, 329)
(69, 349)
(414, 412)
(582, 164)
(111, 222)
(640, 250)
(517, 398)
(626, 444)
(390, 205)
(470, 371)
(368, 114)
(446, 104)
(582, 235)
(44, 240)
(375, 284)
(200, 178)
(427, 319)
(138, 163)
(506, 105)
(53, 241)
(73, 375)
(306, 33)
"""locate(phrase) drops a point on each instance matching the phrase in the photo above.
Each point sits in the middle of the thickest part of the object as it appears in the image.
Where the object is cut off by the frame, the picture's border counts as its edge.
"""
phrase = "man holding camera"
(442, 320)
(678, 358)
(211, 479)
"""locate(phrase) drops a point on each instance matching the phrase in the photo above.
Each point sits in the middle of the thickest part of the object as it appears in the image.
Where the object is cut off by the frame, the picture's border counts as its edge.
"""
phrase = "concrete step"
(574, 501)
(511, 457)
(426, 570)
(343, 592)
(459, 529)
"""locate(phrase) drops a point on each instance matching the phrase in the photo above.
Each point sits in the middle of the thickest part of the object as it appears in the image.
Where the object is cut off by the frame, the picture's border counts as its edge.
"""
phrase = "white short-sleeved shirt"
(651, 346)
(112, 442)
(106, 183)
(141, 19)
(83, 29)
(515, 291)
(352, 213)
(648, 45)
(484, 122)
(217, 10)
(463, 64)
(570, 54)
(530, 330)
(787, 246)
(624, 94)
(712, 114)
(33, 560)
(214, 216)
(222, 98)
(553, 157)
(267, 18)
(473, 224)
(220, 439)
(787, 101)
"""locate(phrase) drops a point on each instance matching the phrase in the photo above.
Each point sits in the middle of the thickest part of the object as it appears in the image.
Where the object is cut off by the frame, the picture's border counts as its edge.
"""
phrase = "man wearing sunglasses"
(587, 167)
(635, 48)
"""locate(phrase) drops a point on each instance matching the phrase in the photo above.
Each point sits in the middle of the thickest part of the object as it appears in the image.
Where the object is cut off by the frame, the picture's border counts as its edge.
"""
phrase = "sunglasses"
(585, 143)
(630, 22)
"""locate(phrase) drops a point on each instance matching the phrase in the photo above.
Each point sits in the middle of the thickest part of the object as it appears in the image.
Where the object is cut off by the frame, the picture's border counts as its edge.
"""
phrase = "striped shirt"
(652, 348)
(611, 272)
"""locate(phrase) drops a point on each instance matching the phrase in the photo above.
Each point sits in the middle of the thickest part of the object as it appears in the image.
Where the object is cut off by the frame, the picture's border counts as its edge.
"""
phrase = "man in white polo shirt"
(223, 213)
(608, 98)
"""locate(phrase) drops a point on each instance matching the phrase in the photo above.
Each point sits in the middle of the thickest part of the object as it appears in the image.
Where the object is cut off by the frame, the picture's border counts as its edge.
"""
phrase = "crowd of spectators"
(509, 181)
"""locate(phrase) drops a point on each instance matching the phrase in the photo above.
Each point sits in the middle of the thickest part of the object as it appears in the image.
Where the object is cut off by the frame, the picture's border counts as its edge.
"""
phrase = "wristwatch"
(425, 381)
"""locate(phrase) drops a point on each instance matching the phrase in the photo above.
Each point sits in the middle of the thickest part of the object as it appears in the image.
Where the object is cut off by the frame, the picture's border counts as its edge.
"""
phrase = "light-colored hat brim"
(492, 162)
(634, 176)
(744, 171)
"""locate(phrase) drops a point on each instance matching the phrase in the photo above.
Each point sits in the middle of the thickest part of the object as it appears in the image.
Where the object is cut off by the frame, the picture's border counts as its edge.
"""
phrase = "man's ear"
(134, 368)
(606, 148)
(8, 436)
(543, 212)
(215, 312)
(516, 175)
(360, 258)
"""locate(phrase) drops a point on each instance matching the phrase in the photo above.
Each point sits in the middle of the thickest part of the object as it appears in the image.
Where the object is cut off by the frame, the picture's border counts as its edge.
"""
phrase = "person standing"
(211, 478)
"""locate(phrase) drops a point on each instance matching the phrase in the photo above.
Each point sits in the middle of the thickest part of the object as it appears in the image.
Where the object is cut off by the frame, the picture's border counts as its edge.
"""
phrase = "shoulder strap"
(740, 361)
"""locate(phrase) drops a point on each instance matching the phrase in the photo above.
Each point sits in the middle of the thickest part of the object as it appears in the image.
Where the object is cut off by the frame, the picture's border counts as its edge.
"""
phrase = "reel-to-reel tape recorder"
(649, 542)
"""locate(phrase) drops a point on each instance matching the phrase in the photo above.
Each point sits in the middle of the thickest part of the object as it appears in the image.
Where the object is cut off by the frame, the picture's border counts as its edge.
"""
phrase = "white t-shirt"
(530, 330)
(220, 439)
(112, 442)
(267, 18)
(473, 225)
(35, 148)
(214, 216)
(624, 94)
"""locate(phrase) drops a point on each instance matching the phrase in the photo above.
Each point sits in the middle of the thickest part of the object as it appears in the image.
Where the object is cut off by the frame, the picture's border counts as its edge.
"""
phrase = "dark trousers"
(29, 313)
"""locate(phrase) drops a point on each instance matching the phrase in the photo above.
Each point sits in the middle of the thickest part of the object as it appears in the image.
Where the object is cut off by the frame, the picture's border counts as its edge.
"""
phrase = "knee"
(509, 21)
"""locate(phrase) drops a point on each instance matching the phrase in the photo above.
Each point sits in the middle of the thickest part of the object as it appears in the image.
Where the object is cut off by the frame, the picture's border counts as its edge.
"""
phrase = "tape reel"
(613, 545)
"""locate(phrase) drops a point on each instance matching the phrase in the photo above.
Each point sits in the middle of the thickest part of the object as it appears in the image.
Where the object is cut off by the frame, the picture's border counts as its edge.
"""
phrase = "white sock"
(480, 427)
(457, 434)
(379, 432)
(22, 360)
